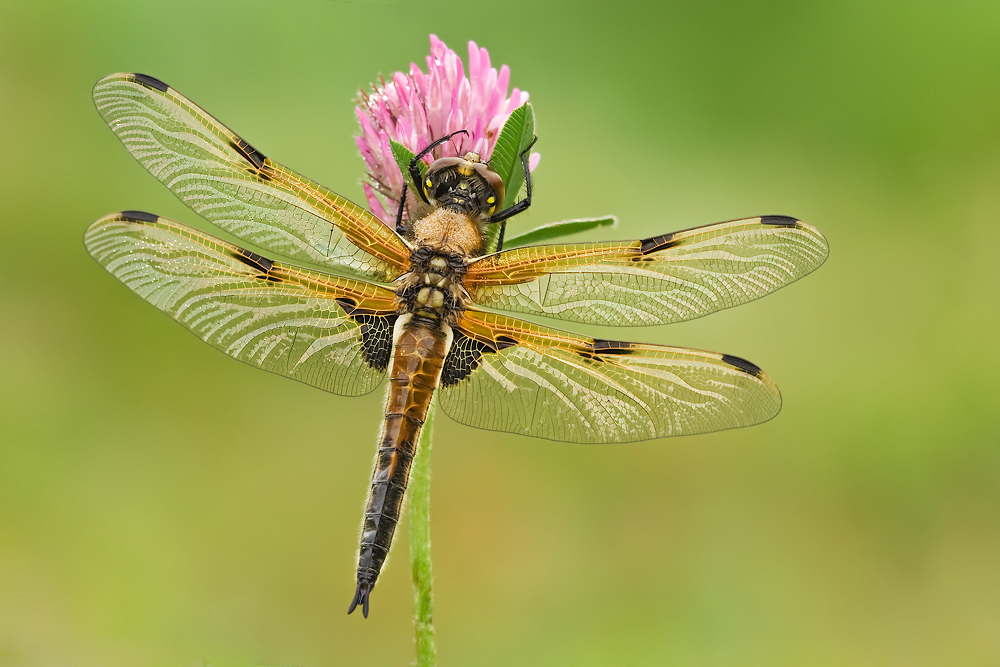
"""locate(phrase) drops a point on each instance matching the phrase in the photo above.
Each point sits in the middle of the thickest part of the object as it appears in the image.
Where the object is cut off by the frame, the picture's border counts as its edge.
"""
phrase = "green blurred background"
(161, 504)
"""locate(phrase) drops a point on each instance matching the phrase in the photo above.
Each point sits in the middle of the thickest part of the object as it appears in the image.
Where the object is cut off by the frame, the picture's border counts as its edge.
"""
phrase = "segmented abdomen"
(419, 350)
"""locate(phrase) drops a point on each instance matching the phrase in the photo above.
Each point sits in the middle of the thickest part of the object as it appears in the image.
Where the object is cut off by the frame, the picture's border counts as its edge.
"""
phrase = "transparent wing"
(327, 331)
(504, 374)
(234, 186)
(667, 278)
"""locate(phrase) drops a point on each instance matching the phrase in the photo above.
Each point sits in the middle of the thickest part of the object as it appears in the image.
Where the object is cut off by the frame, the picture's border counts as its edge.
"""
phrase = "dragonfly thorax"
(448, 232)
(433, 290)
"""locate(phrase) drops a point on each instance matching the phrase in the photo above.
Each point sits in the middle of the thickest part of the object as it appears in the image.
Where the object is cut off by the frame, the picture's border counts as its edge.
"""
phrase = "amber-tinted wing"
(667, 278)
(331, 332)
(234, 186)
(504, 374)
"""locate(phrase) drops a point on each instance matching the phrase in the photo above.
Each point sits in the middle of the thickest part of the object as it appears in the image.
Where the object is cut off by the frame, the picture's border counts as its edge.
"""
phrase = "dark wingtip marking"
(743, 365)
(602, 346)
(150, 82)
(657, 243)
(778, 220)
(138, 216)
(251, 154)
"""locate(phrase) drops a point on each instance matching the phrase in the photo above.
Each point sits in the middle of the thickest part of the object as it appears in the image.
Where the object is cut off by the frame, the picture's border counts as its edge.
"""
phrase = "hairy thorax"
(449, 232)
(432, 290)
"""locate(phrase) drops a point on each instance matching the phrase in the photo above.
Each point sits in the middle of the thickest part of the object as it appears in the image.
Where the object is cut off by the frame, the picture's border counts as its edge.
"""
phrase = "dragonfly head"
(464, 184)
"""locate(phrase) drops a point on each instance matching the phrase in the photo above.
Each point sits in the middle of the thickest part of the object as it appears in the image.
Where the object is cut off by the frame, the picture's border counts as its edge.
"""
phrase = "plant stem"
(420, 547)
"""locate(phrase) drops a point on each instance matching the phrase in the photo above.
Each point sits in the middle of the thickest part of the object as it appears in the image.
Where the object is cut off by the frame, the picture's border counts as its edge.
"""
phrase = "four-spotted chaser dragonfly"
(422, 306)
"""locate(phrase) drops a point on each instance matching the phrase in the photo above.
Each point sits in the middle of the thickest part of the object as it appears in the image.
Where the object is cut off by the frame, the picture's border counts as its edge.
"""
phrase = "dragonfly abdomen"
(419, 350)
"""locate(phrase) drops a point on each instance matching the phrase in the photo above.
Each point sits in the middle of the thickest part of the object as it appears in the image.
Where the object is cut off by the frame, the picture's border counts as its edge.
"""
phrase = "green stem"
(420, 547)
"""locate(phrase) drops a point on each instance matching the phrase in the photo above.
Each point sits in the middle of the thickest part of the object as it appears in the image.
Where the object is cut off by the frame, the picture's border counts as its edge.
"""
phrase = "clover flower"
(415, 109)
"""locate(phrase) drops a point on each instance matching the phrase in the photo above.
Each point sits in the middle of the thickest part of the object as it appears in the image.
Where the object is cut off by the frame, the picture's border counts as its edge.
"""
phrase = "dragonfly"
(425, 304)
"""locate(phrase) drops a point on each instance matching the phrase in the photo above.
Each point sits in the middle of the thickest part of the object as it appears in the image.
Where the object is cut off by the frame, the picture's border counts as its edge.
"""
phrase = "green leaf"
(515, 137)
(557, 229)
(403, 155)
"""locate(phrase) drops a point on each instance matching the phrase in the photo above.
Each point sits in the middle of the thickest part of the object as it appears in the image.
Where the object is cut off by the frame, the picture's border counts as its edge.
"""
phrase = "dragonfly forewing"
(233, 185)
(659, 280)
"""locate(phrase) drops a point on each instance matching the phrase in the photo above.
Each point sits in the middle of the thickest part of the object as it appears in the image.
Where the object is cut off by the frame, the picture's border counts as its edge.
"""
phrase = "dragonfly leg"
(503, 228)
(400, 229)
(415, 170)
(522, 205)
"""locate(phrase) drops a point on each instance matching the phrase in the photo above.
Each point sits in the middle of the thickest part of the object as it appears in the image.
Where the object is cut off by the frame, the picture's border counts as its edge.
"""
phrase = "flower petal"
(415, 108)
(375, 206)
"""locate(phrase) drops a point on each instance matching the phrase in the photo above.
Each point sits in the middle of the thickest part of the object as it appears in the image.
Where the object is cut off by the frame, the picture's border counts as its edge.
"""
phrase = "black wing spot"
(150, 82)
(376, 332)
(503, 342)
(376, 339)
(658, 243)
(602, 346)
(249, 153)
(255, 261)
(742, 364)
(778, 220)
(465, 354)
(138, 216)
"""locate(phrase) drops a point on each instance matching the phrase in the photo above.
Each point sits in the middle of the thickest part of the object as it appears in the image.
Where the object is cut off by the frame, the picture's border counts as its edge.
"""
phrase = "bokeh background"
(161, 504)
